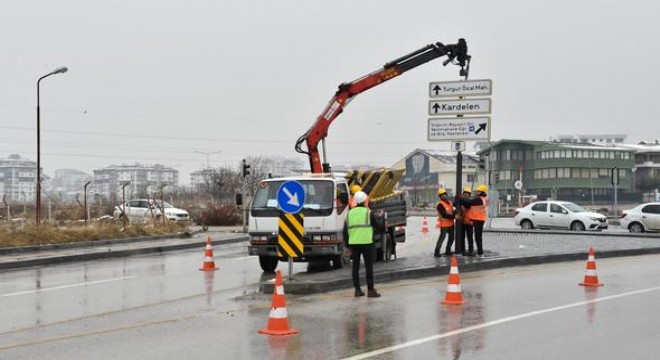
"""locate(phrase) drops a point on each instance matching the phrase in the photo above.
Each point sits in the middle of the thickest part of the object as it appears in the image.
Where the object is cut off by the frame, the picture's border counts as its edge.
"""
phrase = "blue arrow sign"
(291, 197)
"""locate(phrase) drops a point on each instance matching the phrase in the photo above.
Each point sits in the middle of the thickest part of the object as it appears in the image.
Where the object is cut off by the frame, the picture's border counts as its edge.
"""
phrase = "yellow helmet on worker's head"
(482, 188)
(467, 190)
(355, 188)
(442, 191)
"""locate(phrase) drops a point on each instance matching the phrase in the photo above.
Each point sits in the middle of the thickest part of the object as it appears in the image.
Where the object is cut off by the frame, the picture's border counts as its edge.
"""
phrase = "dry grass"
(47, 234)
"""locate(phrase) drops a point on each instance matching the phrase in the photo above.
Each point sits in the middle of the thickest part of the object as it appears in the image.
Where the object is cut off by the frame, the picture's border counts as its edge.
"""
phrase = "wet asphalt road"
(534, 312)
(162, 306)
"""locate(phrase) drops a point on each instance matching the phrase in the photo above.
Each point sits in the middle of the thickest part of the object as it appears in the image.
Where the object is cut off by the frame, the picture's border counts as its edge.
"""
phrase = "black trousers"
(450, 241)
(468, 234)
(367, 252)
(478, 235)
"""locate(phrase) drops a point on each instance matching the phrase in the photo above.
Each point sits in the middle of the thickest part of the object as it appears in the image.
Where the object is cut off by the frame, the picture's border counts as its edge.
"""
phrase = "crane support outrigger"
(456, 53)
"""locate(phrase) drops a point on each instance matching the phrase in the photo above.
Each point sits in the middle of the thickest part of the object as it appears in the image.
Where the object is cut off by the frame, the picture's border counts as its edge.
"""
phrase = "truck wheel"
(268, 264)
(339, 261)
(390, 248)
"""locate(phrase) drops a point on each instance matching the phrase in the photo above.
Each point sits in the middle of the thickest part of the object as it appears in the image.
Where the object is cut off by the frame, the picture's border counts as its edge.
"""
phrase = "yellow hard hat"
(482, 188)
(467, 190)
(355, 188)
(442, 191)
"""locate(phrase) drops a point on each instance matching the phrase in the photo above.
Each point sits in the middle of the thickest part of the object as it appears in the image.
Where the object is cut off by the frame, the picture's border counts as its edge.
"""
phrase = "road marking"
(245, 257)
(420, 341)
(69, 286)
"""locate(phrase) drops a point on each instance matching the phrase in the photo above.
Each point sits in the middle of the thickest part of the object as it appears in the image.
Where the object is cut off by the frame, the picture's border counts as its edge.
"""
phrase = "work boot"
(358, 293)
(372, 293)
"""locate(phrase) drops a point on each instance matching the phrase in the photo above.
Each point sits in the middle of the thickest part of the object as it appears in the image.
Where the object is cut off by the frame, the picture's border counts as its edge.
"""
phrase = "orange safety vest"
(479, 212)
(466, 216)
(444, 223)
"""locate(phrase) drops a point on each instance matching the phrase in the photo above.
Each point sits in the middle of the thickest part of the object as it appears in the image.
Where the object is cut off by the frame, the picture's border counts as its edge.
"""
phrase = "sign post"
(290, 198)
(459, 128)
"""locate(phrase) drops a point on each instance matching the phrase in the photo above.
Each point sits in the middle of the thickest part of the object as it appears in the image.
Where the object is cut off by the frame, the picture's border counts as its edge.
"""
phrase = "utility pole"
(123, 204)
(85, 199)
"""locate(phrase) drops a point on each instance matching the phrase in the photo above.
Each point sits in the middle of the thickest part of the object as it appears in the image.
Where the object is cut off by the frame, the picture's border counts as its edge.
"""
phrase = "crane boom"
(347, 91)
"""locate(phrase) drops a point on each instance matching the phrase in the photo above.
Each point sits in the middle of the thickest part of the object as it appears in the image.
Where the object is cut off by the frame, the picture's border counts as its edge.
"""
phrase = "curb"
(58, 259)
(578, 233)
(308, 287)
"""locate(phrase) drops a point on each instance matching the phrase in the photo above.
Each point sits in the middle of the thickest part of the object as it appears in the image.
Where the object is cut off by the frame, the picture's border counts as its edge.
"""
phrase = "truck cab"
(324, 211)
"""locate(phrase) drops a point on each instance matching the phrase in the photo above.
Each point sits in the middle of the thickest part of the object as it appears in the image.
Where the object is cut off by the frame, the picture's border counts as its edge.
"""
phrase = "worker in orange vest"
(467, 228)
(478, 213)
(445, 210)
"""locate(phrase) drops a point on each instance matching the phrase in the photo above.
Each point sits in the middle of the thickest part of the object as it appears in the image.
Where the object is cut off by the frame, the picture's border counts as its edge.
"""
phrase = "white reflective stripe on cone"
(208, 259)
(278, 313)
(279, 289)
(453, 288)
(453, 270)
(591, 258)
(590, 273)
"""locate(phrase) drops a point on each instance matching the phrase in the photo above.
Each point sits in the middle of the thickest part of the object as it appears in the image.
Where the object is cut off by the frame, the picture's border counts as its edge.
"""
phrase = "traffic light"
(246, 172)
(481, 163)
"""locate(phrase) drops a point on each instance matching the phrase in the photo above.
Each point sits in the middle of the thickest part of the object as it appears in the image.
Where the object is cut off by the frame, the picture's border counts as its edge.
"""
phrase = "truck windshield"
(319, 196)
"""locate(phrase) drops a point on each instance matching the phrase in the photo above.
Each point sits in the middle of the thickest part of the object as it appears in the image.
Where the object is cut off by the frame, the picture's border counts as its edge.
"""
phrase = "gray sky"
(153, 81)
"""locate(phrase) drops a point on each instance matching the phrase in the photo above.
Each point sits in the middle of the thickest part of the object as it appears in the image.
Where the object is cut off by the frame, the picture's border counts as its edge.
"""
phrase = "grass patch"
(45, 234)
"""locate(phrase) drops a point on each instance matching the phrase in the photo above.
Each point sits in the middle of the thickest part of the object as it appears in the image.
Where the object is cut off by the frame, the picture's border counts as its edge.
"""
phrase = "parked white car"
(643, 218)
(144, 209)
(558, 215)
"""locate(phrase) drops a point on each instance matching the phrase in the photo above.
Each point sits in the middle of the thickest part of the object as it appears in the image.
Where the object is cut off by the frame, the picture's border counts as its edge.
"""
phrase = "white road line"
(69, 286)
(245, 257)
(420, 341)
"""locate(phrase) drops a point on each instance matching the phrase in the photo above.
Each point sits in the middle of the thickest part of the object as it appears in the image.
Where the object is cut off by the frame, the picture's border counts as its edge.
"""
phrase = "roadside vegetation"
(29, 235)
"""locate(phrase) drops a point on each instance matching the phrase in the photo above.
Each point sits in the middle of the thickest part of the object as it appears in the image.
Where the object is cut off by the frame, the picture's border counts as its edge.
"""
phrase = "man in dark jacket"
(361, 223)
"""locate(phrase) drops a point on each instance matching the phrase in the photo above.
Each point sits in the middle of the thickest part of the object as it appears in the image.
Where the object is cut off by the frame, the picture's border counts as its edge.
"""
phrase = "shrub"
(222, 214)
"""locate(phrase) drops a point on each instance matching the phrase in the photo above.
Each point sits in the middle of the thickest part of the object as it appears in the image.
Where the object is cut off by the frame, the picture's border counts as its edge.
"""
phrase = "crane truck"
(326, 193)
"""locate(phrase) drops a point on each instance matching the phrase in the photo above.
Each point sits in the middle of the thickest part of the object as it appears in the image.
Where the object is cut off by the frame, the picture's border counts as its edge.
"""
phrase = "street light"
(207, 153)
(60, 70)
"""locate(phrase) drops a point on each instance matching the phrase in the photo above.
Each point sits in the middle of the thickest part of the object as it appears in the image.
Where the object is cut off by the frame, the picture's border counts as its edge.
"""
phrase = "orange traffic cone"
(425, 226)
(209, 264)
(437, 223)
(454, 296)
(278, 321)
(590, 277)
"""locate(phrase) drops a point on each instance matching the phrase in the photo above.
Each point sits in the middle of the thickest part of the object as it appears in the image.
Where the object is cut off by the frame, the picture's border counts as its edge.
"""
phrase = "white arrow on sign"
(293, 198)
(460, 88)
(456, 107)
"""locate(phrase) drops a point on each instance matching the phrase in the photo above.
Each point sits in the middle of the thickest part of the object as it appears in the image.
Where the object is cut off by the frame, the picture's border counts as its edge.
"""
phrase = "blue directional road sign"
(291, 197)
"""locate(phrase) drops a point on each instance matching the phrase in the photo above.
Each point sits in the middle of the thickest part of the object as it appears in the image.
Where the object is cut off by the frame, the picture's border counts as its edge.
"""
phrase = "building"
(143, 180)
(428, 170)
(583, 173)
(602, 139)
(647, 166)
(18, 179)
(67, 183)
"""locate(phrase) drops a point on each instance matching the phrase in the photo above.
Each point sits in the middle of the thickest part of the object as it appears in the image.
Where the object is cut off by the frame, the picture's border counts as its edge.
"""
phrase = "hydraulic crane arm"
(456, 53)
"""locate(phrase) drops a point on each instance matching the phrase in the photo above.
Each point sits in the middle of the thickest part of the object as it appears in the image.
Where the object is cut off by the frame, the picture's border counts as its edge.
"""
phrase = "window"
(554, 208)
(342, 197)
(540, 207)
(651, 209)
(470, 178)
(557, 154)
(552, 173)
(506, 155)
(564, 173)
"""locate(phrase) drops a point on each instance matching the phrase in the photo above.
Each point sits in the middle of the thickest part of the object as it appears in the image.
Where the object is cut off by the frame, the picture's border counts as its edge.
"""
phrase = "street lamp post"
(208, 154)
(38, 212)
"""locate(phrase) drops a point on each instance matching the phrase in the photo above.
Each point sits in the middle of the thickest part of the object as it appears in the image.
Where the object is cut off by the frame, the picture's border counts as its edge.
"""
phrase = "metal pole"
(290, 268)
(458, 224)
(85, 201)
(38, 203)
(123, 204)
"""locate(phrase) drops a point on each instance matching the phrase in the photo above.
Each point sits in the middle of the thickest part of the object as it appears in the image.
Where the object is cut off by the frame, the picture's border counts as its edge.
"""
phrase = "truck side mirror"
(239, 199)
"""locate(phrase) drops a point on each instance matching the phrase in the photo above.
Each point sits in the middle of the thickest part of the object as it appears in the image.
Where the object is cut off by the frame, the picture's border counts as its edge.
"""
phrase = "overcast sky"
(154, 81)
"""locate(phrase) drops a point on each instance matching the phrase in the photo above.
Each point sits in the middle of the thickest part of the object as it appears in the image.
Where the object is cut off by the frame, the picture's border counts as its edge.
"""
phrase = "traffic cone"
(437, 223)
(454, 296)
(590, 277)
(278, 321)
(425, 226)
(209, 264)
